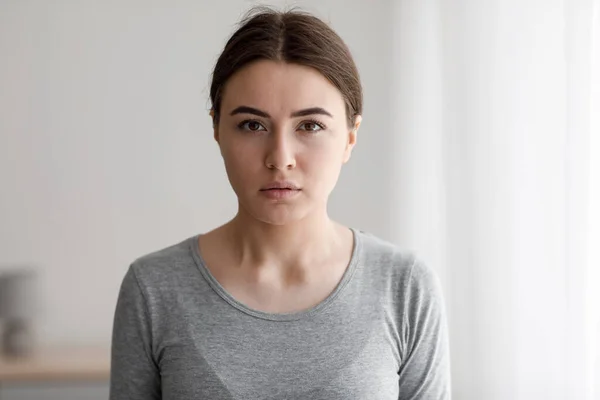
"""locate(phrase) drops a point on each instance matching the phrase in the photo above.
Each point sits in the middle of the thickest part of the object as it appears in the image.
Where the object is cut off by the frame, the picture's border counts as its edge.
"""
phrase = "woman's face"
(283, 135)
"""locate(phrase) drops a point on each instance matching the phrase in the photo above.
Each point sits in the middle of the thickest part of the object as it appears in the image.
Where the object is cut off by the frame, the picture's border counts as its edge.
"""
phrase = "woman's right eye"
(252, 126)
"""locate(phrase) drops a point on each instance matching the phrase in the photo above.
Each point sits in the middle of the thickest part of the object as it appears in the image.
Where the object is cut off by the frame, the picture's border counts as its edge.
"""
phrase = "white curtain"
(497, 170)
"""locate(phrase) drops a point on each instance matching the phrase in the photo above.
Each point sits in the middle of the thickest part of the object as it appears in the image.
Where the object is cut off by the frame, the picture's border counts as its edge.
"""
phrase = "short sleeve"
(134, 374)
(425, 370)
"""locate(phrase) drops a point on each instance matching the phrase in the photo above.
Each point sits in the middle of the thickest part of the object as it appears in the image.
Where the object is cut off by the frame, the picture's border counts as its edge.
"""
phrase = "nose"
(280, 153)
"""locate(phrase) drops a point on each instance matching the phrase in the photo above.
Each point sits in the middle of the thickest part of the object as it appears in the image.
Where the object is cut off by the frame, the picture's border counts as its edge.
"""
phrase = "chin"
(278, 214)
(277, 218)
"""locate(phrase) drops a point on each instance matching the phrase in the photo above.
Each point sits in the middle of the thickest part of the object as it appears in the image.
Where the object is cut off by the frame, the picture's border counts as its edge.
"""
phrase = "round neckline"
(290, 316)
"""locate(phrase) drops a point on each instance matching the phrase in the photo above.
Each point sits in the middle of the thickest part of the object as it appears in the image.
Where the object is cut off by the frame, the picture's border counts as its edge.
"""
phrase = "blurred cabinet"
(62, 373)
(55, 391)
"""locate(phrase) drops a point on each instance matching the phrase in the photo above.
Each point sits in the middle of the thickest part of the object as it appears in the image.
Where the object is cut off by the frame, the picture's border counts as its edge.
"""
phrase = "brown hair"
(291, 36)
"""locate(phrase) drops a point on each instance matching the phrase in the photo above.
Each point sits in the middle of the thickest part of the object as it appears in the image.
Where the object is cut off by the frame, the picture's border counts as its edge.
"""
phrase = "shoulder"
(382, 256)
(164, 266)
(398, 266)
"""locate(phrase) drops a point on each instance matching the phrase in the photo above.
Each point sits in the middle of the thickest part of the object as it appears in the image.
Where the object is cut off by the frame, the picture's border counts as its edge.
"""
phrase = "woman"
(281, 302)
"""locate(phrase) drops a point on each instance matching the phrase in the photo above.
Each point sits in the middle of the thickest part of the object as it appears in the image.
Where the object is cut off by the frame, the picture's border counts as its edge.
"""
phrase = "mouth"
(280, 191)
(283, 185)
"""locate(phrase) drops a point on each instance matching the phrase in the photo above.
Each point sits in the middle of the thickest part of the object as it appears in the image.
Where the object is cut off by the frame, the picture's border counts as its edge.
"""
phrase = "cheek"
(240, 160)
(323, 162)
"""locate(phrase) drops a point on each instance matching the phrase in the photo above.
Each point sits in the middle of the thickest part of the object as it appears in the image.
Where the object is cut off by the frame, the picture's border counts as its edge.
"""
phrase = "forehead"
(280, 88)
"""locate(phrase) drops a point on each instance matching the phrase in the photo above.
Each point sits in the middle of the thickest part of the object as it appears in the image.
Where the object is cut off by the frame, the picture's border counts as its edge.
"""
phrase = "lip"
(280, 194)
(280, 190)
(280, 185)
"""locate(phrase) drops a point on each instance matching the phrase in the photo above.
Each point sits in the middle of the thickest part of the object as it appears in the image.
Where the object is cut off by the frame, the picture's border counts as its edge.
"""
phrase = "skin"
(281, 255)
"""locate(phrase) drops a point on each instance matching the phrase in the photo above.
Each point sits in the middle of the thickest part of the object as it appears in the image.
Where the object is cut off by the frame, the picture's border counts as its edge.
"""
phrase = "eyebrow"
(299, 113)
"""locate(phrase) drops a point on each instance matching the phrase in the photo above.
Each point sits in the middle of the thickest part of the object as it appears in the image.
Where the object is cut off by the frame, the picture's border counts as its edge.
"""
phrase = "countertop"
(59, 363)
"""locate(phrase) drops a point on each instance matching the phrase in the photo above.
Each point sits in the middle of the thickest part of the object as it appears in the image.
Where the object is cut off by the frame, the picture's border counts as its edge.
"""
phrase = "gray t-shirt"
(380, 335)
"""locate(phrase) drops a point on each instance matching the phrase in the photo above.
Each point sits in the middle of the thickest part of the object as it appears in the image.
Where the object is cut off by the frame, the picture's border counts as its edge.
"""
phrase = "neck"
(294, 246)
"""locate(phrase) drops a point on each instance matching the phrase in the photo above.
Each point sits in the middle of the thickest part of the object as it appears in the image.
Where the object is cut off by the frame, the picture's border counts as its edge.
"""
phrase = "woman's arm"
(425, 370)
(134, 373)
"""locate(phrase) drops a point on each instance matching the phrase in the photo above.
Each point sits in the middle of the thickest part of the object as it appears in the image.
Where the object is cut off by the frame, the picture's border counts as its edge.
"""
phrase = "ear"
(215, 127)
(352, 134)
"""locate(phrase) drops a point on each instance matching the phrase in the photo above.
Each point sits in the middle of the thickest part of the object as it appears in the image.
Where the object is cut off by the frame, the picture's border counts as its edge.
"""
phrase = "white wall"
(106, 150)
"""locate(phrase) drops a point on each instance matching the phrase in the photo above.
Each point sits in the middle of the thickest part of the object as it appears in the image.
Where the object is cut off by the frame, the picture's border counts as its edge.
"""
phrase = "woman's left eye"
(312, 126)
